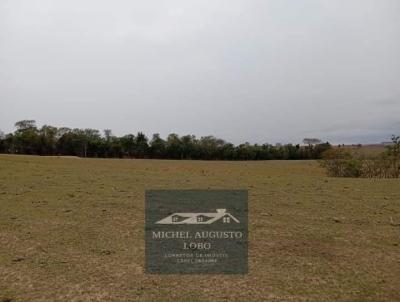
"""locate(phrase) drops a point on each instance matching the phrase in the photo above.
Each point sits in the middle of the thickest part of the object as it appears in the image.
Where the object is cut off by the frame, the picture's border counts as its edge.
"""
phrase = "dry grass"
(72, 230)
(366, 150)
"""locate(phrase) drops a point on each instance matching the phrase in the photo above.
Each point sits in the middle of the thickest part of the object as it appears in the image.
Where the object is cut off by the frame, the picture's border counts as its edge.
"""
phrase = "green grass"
(72, 230)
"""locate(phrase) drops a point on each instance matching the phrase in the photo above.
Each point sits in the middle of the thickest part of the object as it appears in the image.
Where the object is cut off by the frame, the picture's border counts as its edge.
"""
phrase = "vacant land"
(72, 230)
(366, 150)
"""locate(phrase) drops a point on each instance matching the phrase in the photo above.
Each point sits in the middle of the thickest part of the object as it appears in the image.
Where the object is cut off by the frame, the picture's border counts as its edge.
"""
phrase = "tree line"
(50, 140)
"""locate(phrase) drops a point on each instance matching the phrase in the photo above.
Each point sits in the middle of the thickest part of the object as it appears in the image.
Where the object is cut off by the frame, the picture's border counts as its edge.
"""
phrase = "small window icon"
(226, 219)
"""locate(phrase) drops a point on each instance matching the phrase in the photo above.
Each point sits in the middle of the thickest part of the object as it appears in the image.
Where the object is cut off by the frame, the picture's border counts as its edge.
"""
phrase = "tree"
(26, 139)
(141, 143)
(48, 140)
(394, 148)
(393, 156)
(107, 134)
(311, 141)
(25, 124)
(174, 146)
(2, 142)
(157, 147)
(188, 145)
(128, 145)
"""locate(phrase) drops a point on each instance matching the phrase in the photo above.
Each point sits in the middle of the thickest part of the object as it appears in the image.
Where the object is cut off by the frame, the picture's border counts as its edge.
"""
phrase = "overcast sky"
(242, 70)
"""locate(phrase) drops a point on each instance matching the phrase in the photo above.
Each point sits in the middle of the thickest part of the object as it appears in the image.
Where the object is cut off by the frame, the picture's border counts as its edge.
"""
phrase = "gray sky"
(243, 70)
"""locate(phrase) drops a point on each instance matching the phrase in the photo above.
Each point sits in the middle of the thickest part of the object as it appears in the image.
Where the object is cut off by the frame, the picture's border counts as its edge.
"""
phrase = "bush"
(344, 163)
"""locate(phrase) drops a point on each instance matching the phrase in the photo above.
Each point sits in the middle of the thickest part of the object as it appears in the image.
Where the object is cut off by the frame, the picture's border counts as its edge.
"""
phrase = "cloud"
(258, 71)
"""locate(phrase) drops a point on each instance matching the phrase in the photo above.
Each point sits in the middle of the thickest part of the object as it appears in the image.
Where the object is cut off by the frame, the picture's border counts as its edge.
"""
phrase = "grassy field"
(366, 150)
(72, 230)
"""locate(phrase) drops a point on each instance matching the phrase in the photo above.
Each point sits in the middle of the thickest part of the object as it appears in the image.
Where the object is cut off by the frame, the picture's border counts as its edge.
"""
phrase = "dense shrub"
(342, 162)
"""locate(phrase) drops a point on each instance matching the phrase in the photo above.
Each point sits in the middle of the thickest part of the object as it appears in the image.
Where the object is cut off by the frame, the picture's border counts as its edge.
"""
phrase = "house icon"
(199, 218)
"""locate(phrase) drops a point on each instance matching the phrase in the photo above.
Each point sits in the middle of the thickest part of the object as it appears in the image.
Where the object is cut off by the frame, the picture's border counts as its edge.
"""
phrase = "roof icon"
(199, 218)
